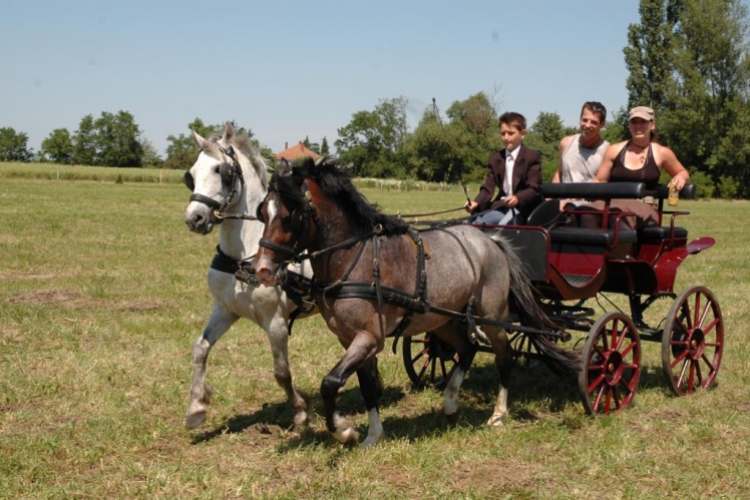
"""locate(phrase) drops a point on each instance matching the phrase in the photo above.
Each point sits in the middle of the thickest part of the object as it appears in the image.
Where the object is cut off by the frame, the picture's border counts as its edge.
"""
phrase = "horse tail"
(524, 295)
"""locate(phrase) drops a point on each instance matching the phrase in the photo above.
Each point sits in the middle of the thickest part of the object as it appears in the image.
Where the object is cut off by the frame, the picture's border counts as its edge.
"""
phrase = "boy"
(516, 172)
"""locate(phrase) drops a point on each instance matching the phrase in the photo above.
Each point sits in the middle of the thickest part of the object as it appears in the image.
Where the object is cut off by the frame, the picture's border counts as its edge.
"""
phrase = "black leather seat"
(599, 237)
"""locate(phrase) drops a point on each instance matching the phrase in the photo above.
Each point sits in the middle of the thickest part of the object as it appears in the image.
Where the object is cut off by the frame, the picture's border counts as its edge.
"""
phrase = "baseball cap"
(643, 112)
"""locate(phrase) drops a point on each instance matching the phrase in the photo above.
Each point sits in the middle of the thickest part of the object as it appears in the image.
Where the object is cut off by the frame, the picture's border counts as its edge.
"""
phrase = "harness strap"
(297, 286)
(419, 291)
(376, 280)
(470, 318)
(338, 246)
(242, 269)
(284, 251)
(205, 200)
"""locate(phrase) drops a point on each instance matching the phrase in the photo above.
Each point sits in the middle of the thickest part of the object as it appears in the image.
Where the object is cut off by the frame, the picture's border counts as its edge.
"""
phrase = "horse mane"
(362, 214)
(338, 187)
(242, 142)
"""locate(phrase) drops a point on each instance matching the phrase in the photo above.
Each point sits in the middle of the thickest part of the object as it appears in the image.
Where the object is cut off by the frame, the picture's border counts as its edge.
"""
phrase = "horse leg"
(200, 392)
(278, 337)
(357, 355)
(456, 336)
(500, 345)
(372, 390)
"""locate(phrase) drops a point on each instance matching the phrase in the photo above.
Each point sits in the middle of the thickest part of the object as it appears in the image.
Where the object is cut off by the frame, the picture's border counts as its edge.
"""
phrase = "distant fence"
(161, 176)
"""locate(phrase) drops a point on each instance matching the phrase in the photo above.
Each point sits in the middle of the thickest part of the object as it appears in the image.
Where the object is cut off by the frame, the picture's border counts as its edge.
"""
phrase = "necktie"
(508, 184)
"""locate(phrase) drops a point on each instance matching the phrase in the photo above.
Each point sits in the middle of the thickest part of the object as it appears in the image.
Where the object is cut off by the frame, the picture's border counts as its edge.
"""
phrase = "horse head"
(290, 222)
(218, 178)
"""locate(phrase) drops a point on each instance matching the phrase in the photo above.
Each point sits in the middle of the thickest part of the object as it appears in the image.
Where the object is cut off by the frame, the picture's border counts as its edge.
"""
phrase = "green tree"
(58, 147)
(181, 151)
(150, 155)
(688, 59)
(13, 145)
(116, 140)
(84, 142)
(371, 142)
(544, 135)
(712, 101)
(312, 146)
(650, 53)
(325, 150)
(455, 150)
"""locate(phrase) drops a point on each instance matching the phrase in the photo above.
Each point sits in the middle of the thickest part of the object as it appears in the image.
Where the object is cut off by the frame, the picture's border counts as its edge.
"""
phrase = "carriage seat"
(657, 233)
(594, 190)
(593, 237)
(661, 233)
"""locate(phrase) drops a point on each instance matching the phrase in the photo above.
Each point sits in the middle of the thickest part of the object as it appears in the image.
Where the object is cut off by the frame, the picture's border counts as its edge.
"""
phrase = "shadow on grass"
(529, 387)
(478, 397)
(279, 415)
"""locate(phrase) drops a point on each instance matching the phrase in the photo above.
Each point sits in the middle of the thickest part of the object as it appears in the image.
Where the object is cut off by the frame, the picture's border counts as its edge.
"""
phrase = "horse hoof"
(195, 419)
(369, 442)
(454, 418)
(496, 421)
(300, 421)
(347, 437)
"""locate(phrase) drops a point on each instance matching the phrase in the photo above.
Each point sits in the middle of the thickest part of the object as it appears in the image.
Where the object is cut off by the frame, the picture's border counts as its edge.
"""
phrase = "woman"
(640, 160)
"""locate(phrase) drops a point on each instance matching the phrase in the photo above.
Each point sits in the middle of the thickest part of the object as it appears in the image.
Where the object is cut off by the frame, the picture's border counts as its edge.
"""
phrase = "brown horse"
(376, 277)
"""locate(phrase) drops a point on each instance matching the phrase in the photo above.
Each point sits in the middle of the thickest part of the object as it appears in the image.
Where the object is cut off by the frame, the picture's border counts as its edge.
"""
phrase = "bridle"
(230, 174)
(300, 221)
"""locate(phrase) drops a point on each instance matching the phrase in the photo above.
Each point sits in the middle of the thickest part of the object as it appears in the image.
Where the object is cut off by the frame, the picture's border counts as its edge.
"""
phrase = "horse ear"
(228, 133)
(198, 140)
(284, 168)
(327, 161)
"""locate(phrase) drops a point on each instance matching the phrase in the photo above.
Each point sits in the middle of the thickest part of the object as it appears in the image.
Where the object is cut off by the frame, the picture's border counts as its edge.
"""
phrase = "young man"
(516, 172)
(582, 154)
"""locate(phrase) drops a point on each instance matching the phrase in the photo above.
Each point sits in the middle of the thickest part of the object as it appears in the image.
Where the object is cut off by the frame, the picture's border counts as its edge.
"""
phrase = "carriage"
(571, 266)
(471, 293)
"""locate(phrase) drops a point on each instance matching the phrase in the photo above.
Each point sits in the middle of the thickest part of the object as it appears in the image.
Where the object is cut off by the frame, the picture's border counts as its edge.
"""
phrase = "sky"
(289, 69)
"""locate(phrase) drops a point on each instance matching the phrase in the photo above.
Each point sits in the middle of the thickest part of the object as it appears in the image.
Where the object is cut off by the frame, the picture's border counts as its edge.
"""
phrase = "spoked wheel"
(611, 365)
(523, 349)
(693, 341)
(429, 361)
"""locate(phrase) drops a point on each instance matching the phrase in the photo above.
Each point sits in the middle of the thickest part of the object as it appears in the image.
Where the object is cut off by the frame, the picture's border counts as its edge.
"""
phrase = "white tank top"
(580, 164)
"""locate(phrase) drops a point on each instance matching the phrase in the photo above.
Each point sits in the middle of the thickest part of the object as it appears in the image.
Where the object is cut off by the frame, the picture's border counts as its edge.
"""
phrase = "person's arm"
(668, 161)
(605, 170)
(564, 143)
(487, 190)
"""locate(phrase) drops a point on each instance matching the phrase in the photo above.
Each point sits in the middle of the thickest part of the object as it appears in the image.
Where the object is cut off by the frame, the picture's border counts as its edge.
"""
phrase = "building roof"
(297, 151)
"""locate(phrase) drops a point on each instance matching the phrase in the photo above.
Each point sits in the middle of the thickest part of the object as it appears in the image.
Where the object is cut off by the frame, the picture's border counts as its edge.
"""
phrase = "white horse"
(231, 176)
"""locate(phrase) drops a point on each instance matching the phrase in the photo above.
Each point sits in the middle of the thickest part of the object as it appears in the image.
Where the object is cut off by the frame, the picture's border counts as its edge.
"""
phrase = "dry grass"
(102, 290)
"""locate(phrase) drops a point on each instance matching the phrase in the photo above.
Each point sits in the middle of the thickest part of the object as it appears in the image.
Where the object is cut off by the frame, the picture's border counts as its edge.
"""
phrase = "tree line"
(687, 59)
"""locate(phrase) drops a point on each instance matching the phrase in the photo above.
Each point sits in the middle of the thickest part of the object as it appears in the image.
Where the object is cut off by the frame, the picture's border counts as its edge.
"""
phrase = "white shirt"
(510, 161)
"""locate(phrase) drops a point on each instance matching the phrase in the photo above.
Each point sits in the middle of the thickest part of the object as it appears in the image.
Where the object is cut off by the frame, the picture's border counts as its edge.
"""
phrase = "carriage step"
(577, 279)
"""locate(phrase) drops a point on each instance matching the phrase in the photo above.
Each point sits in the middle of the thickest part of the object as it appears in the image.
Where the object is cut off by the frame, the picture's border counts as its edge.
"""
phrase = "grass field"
(102, 291)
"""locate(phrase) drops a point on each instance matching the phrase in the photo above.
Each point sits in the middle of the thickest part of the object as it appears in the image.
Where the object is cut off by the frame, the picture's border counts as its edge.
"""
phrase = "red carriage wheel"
(611, 365)
(429, 361)
(692, 341)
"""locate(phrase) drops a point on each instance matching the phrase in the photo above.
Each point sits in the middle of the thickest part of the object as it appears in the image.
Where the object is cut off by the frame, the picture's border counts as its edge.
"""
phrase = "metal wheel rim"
(693, 341)
(611, 365)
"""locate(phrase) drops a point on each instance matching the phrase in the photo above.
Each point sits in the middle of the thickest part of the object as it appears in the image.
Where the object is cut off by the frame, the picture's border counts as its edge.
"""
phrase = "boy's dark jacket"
(527, 181)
